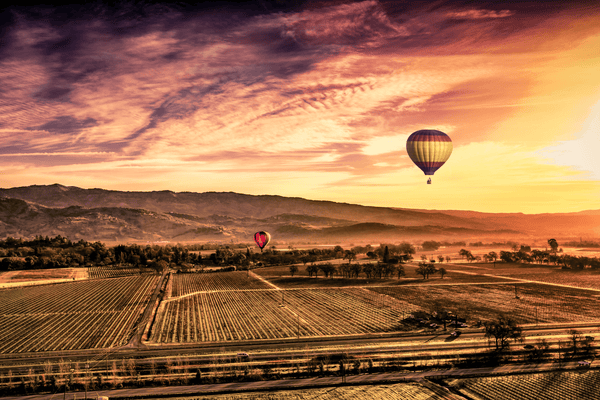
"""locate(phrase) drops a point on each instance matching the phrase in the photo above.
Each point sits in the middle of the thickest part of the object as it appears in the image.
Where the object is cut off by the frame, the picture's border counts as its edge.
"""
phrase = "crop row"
(272, 314)
(96, 272)
(65, 321)
(535, 302)
(550, 386)
(79, 296)
(184, 284)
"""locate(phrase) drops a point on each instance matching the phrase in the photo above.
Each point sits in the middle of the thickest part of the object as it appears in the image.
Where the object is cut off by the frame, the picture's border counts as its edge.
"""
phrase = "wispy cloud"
(325, 93)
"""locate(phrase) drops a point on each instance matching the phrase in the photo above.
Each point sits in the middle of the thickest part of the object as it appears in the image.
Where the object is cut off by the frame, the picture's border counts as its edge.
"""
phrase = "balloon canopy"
(262, 239)
(429, 149)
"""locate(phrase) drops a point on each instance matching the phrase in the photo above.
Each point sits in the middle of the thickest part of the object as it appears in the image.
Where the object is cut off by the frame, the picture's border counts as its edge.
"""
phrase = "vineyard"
(589, 279)
(101, 272)
(539, 302)
(542, 386)
(184, 284)
(77, 315)
(585, 279)
(272, 314)
(408, 390)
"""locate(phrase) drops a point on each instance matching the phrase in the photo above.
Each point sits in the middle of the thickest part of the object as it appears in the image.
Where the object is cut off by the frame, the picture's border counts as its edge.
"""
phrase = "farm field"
(587, 278)
(184, 284)
(479, 302)
(408, 390)
(96, 272)
(40, 276)
(231, 314)
(258, 314)
(543, 386)
(77, 315)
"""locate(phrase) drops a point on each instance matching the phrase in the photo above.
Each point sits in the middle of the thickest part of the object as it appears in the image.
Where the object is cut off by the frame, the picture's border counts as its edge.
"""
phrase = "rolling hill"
(107, 215)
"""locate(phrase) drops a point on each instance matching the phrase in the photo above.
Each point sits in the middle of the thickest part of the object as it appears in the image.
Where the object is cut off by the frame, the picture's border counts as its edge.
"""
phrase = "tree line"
(59, 252)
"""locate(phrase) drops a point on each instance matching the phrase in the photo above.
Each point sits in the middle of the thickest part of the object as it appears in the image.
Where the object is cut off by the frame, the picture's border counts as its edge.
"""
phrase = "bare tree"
(502, 329)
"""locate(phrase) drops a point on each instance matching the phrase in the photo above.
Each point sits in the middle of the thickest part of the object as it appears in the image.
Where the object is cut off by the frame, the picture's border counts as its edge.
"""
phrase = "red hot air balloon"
(262, 239)
(429, 150)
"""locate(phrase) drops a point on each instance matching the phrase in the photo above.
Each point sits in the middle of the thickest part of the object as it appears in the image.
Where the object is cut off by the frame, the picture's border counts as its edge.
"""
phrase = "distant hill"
(98, 214)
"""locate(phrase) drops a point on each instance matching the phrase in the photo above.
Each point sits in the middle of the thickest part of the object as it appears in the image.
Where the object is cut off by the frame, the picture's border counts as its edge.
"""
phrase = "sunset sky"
(311, 99)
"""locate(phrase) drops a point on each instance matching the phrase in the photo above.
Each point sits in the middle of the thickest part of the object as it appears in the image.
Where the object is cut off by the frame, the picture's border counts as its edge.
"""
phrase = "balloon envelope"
(262, 239)
(429, 149)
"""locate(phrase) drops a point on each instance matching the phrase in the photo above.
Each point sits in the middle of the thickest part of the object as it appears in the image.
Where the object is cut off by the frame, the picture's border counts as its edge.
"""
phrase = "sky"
(311, 99)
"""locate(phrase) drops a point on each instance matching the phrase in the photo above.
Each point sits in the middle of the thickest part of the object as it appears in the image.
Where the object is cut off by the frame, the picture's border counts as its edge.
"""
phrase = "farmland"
(259, 314)
(543, 386)
(280, 276)
(214, 308)
(100, 272)
(585, 279)
(478, 302)
(40, 276)
(408, 390)
(79, 315)
(184, 284)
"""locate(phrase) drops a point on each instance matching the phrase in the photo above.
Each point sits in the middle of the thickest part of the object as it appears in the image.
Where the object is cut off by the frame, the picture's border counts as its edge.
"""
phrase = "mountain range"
(120, 216)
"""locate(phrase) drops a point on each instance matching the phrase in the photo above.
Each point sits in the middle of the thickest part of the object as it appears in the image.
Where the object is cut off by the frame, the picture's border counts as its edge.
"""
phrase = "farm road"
(264, 280)
(136, 340)
(287, 384)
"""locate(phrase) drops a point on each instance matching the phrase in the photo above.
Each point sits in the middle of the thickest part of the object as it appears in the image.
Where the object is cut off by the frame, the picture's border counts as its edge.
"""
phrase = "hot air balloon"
(262, 239)
(429, 150)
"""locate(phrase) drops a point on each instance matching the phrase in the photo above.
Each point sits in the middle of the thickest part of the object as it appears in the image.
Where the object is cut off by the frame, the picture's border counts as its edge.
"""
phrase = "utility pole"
(87, 373)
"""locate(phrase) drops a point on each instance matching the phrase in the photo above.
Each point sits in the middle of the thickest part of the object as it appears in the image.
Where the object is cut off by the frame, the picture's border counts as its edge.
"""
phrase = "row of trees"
(45, 252)
(349, 270)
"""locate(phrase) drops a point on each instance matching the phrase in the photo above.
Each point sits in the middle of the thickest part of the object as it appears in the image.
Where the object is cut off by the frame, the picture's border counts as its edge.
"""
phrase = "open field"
(184, 284)
(76, 315)
(581, 385)
(40, 276)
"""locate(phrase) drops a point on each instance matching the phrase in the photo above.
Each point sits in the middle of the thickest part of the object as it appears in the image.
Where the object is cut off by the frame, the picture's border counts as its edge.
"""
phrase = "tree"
(553, 245)
(507, 256)
(539, 351)
(441, 259)
(466, 254)
(430, 245)
(328, 269)
(502, 329)
(386, 255)
(293, 269)
(350, 255)
(578, 343)
(426, 269)
(400, 271)
(442, 272)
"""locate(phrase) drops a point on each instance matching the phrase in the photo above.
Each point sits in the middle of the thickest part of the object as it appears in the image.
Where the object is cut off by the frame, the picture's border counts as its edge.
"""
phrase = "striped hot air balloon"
(429, 150)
